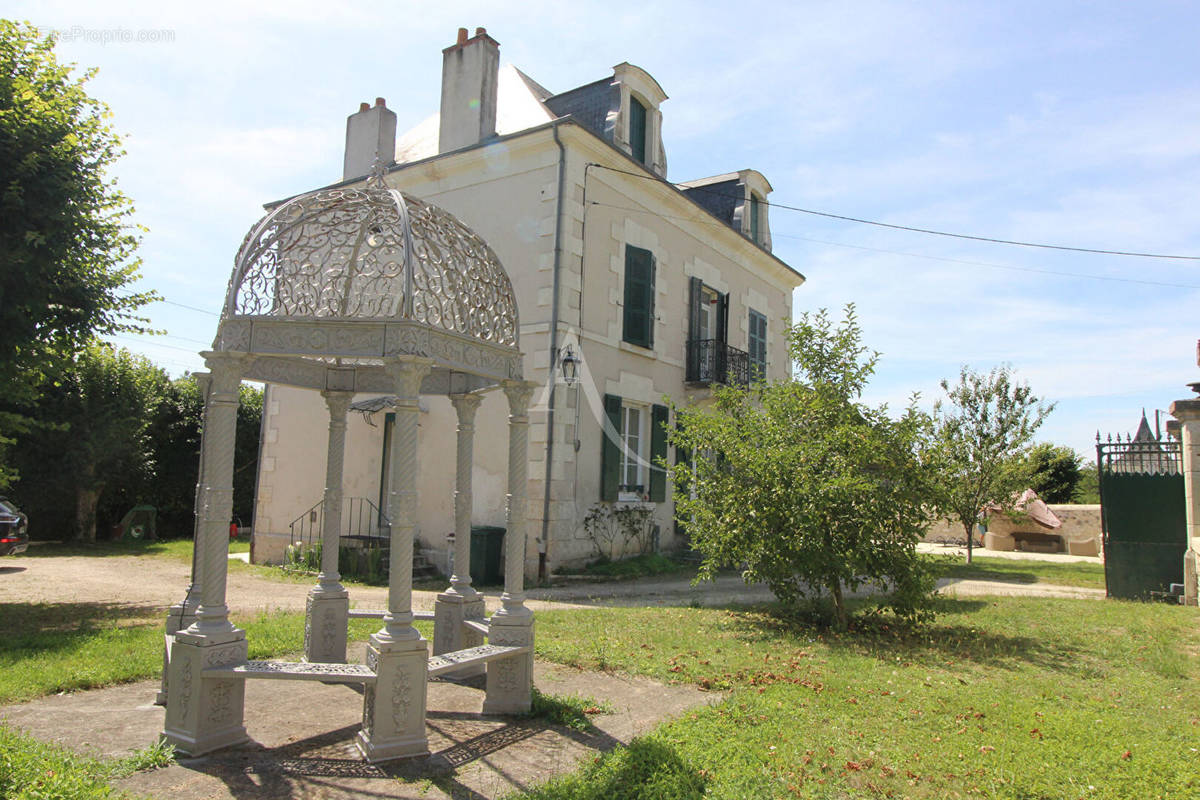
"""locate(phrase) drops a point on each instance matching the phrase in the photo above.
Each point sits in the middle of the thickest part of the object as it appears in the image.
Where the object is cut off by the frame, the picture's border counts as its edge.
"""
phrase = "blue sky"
(1067, 123)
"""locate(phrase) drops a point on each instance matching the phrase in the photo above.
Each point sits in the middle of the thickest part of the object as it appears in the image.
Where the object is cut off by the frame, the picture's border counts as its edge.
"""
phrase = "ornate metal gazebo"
(348, 291)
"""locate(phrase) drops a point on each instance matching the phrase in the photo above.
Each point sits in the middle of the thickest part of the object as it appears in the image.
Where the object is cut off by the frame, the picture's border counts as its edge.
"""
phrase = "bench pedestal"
(510, 680)
(325, 621)
(450, 632)
(394, 708)
(204, 712)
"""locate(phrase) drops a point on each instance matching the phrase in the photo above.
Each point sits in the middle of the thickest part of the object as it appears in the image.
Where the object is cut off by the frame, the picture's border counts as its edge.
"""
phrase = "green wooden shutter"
(639, 297)
(610, 449)
(723, 319)
(755, 210)
(658, 453)
(637, 129)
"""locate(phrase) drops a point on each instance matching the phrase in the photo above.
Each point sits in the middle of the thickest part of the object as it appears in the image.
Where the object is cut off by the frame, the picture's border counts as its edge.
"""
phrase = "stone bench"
(472, 656)
(378, 613)
(295, 671)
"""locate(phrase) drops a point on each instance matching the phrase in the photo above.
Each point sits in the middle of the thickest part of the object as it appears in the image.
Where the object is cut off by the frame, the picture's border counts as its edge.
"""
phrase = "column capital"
(466, 405)
(1186, 410)
(519, 394)
(408, 372)
(338, 403)
(226, 369)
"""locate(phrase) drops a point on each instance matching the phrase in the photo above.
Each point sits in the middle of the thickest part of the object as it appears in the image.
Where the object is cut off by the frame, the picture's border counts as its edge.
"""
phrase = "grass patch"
(178, 549)
(32, 769)
(642, 566)
(1082, 574)
(47, 648)
(1013, 698)
(570, 711)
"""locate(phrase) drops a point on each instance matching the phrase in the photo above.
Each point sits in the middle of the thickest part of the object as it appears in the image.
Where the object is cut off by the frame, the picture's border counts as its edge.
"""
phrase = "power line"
(1014, 268)
(129, 293)
(911, 229)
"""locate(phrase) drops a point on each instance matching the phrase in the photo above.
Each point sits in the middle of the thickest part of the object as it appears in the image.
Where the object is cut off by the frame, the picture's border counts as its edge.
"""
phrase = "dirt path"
(154, 583)
(150, 582)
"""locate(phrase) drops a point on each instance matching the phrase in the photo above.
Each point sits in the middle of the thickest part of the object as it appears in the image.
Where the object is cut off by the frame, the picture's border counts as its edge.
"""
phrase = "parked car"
(14, 533)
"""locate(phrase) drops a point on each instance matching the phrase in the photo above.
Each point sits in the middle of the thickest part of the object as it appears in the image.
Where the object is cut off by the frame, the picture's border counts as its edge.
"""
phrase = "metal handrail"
(713, 361)
(361, 520)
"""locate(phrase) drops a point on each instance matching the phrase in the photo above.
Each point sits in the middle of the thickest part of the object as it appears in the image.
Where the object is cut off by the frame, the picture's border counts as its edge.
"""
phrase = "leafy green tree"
(1054, 472)
(1088, 488)
(65, 230)
(810, 489)
(174, 426)
(983, 430)
(88, 441)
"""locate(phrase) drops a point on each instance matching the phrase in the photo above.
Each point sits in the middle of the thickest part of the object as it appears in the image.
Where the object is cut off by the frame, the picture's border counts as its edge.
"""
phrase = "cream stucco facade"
(560, 202)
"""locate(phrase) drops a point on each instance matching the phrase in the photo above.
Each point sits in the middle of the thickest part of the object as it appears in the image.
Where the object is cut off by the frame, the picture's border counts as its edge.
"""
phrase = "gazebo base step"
(295, 671)
(472, 656)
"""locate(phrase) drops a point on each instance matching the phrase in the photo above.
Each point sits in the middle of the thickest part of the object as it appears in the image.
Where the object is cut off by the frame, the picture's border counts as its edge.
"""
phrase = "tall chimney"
(470, 68)
(370, 134)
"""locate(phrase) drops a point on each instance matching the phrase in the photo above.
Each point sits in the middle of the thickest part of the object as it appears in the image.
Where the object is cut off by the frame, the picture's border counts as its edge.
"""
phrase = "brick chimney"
(470, 68)
(370, 134)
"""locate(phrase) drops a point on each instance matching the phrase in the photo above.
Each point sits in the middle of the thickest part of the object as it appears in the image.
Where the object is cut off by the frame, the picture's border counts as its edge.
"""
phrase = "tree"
(65, 229)
(803, 484)
(1054, 472)
(1088, 488)
(983, 430)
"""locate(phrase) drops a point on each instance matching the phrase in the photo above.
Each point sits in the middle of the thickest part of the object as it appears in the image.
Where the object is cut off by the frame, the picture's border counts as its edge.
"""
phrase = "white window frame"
(634, 456)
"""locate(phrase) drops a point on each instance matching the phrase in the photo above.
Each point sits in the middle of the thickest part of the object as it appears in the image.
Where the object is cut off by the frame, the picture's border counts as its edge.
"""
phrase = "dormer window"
(637, 129)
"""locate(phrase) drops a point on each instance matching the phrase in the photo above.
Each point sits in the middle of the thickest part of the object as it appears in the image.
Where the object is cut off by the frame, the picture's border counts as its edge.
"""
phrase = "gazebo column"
(394, 708)
(183, 613)
(460, 602)
(204, 714)
(328, 609)
(1188, 414)
(510, 680)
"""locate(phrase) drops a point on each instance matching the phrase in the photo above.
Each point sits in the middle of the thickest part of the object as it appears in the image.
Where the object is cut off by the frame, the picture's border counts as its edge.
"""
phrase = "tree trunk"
(969, 527)
(86, 501)
(840, 621)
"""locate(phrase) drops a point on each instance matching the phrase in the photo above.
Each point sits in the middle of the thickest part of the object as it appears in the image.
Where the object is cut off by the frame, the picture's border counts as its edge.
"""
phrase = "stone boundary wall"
(1080, 532)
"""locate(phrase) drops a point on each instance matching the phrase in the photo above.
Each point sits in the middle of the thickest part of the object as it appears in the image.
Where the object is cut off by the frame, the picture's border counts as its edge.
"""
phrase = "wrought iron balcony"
(713, 361)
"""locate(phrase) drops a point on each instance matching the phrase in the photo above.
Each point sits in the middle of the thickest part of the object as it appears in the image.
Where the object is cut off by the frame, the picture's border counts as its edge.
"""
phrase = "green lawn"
(179, 549)
(1084, 574)
(54, 647)
(999, 698)
(642, 566)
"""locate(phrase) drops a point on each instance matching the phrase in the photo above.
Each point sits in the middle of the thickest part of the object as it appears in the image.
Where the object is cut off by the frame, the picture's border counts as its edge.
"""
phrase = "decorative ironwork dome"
(372, 253)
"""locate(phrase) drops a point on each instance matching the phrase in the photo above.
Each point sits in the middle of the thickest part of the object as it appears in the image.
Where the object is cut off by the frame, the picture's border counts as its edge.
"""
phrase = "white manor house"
(648, 288)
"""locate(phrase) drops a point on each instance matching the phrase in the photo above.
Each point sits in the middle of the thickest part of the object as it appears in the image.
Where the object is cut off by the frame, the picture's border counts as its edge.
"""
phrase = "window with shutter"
(637, 129)
(638, 325)
(755, 218)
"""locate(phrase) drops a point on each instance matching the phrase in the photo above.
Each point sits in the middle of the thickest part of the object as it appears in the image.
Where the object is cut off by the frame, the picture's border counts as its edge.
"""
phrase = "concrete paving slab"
(302, 738)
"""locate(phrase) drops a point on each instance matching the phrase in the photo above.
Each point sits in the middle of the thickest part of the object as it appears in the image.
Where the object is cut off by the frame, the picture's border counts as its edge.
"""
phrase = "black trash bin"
(487, 546)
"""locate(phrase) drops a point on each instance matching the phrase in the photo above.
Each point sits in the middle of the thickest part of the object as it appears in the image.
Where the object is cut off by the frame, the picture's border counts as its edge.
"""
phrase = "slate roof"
(589, 104)
(721, 199)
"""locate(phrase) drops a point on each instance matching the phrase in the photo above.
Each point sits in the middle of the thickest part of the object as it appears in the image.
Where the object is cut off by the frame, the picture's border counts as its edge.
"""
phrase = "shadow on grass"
(646, 767)
(927, 643)
(8, 570)
(33, 628)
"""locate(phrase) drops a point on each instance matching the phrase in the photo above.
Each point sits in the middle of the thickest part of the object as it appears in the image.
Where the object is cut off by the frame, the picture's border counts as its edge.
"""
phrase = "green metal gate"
(1143, 515)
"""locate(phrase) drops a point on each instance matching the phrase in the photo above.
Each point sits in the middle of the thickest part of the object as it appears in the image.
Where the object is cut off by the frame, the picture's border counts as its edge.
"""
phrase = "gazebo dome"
(372, 253)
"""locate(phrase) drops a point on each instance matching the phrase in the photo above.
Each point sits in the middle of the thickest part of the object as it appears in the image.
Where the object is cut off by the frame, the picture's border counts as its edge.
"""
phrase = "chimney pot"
(364, 107)
(481, 31)
(462, 36)
(379, 101)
